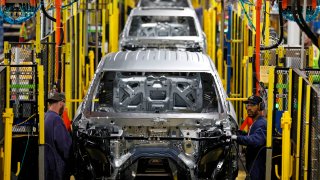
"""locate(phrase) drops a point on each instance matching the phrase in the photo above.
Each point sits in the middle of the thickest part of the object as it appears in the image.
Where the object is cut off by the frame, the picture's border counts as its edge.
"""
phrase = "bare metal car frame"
(155, 108)
(174, 28)
(165, 3)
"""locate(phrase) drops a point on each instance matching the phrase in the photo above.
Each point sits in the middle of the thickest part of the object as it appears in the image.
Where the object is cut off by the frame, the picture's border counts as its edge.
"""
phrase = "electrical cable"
(24, 154)
(64, 6)
(45, 12)
(24, 120)
(253, 162)
(239, 158)
(52, 19)
(264, 21)
(304, 23)
(301, 22)
(248, 17)
(281, 30)
(20, 19)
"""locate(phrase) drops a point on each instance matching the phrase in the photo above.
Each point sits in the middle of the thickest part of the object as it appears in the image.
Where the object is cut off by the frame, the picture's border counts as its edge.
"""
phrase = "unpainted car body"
(165, 3)
(164, 28)
(155, 113)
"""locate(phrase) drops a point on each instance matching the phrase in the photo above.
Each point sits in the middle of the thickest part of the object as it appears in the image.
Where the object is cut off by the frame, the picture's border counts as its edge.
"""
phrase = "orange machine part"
(284, 4)
(33, 3)
(314, 4)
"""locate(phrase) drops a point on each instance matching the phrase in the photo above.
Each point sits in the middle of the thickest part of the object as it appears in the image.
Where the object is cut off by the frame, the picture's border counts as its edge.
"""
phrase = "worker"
(57, 138)
(255, 140)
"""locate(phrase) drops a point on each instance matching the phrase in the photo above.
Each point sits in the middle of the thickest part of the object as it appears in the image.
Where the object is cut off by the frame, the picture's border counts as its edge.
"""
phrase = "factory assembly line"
(159, 89)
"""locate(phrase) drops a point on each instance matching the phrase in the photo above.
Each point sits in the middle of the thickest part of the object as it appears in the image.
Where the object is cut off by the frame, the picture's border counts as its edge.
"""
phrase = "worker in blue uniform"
(255, 140)
(58, 140)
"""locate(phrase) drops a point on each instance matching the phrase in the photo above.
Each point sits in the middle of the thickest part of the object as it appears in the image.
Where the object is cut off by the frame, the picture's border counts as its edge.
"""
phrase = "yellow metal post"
(8, 120)
(269, 124)
(81, 59)
(213, 32)
(195, 3)
(220, 61)
(76, 57)
(250, 72)
(91, 60)
(206, 29)
(87, 77)
(103, 42)
(290, 91)
(113, 25)
(244, 82)
(267, 21)
(298, 128)
(6, 62)
(68, 78)
(233, 50)
(286, 145)
(245, 33)
(40, 98)
(41, 121)
(306, 140)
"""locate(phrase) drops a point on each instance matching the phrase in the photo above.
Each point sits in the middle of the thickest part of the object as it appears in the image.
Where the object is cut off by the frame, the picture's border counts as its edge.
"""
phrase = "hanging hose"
(54, 20)
(264, 21)
(281, 29)
(45, 12)
(303, 25)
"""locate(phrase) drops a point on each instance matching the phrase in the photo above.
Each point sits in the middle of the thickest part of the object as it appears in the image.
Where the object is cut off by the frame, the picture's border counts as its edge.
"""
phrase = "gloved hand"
(234, 137)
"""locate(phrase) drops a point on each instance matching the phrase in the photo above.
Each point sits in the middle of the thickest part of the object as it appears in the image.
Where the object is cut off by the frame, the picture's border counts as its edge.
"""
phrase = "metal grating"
(294, 110)
(269, 57)
(313, 75)
(292, 57)
(282, 87)
(48, 55)
(303, 132)
(314, 135)
(23, 87)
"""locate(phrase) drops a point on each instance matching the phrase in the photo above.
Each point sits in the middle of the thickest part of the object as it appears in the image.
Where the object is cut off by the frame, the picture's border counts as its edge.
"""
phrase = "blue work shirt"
(256, 151)
(57, 148)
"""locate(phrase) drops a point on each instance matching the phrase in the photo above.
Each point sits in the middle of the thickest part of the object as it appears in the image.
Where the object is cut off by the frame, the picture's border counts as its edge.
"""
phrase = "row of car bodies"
(175, 27)
(157, 109)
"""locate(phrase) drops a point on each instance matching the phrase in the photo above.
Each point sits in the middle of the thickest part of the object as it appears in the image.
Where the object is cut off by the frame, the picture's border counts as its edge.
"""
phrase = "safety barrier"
(20, 89)
(309, 160)
(85, 24)
(296, 95)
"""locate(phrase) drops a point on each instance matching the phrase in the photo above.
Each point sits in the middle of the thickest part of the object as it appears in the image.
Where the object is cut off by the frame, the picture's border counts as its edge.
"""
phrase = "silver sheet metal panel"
(158, 61)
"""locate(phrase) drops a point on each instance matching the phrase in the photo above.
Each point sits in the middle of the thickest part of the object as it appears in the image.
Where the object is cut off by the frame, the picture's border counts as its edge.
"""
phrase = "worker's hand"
(234, 137)
(241, 132)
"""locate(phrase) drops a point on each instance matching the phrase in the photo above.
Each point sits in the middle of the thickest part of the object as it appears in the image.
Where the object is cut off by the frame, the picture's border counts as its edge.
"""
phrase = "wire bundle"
(26, 10)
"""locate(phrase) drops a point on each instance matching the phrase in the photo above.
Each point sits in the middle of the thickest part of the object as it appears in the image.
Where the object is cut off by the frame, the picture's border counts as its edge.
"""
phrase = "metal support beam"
(299, 108)
(8, 120)
(113, 25)
(269, 124)
(41, 121)
(306, 140)
(286, 146)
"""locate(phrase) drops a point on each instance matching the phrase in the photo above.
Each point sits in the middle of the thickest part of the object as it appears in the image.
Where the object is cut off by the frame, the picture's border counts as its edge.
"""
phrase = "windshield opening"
(167, 3)
(160, 92)
(162, 26)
